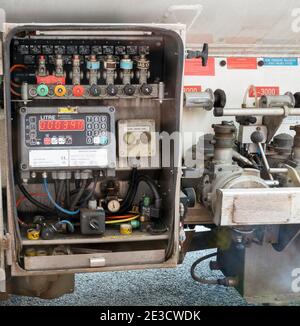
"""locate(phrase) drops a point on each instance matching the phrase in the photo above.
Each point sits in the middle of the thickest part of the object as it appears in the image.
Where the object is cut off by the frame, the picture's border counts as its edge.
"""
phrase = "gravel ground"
(151, 287)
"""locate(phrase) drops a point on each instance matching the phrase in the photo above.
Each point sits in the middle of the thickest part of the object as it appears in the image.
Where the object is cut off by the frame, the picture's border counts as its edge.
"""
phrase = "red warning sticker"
(264, 90)
(241, 63)
(192, 89)
(193, 67)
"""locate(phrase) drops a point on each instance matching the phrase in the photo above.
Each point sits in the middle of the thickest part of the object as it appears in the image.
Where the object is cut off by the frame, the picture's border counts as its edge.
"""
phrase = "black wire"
(79, 194)
(60, 192)
(83, 202)
(67, 194)
(151, 185)
(34, 201)
(131, 187)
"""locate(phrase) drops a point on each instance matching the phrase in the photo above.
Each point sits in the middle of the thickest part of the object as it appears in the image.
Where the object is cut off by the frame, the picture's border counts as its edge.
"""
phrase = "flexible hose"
(55, 204)
(71, 229)
(79, 195)
(202, 279)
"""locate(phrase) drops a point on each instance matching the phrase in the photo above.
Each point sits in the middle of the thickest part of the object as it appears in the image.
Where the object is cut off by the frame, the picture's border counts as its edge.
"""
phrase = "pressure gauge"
(113, 205)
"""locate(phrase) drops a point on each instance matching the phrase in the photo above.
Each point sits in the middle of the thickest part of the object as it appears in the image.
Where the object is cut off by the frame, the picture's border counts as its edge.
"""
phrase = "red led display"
(62, 125)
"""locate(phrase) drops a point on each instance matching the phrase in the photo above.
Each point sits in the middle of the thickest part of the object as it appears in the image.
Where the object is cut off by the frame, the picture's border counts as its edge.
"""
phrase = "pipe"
(219, 112)
(241, 158)
(265, 161)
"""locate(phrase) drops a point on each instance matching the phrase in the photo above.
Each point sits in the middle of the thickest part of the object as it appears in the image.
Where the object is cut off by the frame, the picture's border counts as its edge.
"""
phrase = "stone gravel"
(162, 287)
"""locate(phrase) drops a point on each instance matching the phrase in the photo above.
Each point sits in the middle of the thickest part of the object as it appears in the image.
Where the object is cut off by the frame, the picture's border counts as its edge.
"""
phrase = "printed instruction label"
(88, 157)
(68, 158)
(48, 158)
(280, 62)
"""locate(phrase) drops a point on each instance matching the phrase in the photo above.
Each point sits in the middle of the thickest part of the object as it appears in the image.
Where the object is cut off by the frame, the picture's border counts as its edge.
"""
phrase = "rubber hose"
(202, 279)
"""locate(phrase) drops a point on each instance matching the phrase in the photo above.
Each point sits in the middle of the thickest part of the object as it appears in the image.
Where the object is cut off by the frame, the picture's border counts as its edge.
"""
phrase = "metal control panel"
(66, 137)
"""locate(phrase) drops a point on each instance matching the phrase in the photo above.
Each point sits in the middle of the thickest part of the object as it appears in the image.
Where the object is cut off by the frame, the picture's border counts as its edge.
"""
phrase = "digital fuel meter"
(54, 138)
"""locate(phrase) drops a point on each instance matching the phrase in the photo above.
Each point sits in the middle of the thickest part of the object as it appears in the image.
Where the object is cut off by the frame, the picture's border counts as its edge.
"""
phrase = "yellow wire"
(123, 220)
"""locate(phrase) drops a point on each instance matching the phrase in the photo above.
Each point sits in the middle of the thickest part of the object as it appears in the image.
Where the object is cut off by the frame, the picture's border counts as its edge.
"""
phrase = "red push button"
(78, 90)
(47, 141)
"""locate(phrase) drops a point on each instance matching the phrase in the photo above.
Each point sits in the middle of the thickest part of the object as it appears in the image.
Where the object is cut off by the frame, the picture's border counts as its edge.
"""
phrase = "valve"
(93, 66)
(110, 73)
(59, 68)
(76, 75)
(42, 70)
(126, 74)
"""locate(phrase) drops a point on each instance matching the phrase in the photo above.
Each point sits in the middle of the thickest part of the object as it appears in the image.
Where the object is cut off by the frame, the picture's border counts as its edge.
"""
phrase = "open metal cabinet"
(87, 110)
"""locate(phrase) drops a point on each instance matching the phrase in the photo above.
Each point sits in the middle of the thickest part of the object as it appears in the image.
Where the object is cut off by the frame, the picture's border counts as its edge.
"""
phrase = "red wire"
(22, 198)
(120, 216)
(15, 84)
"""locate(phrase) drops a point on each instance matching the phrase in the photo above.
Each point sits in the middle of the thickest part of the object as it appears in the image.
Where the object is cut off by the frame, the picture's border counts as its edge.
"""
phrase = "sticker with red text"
(264, 90)
(241, 63)
(193, 67)
(192, 89)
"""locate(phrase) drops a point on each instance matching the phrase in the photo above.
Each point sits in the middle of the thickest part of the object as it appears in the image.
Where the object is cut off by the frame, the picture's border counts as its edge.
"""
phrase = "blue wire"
(69, 223)
(55, 204)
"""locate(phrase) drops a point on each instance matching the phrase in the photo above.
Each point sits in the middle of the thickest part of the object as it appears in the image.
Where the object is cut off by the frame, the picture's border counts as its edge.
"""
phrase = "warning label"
(264, 90)
(193, 67)
(241, 63)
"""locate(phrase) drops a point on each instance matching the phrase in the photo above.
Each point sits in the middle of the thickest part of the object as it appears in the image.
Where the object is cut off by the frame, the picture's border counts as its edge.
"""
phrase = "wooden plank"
(198, 215)
(258, 206)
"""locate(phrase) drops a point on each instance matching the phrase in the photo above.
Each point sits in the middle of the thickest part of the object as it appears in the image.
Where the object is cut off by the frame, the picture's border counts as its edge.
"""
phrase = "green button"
(103, 140)
(42, 90)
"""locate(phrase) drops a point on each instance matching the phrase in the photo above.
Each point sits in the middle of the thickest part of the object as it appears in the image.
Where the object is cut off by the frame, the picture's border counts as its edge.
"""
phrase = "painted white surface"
(235, 83)
(221, 22)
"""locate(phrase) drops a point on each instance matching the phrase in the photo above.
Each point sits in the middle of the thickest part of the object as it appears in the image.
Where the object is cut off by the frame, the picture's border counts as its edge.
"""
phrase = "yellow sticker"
(68, 109)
